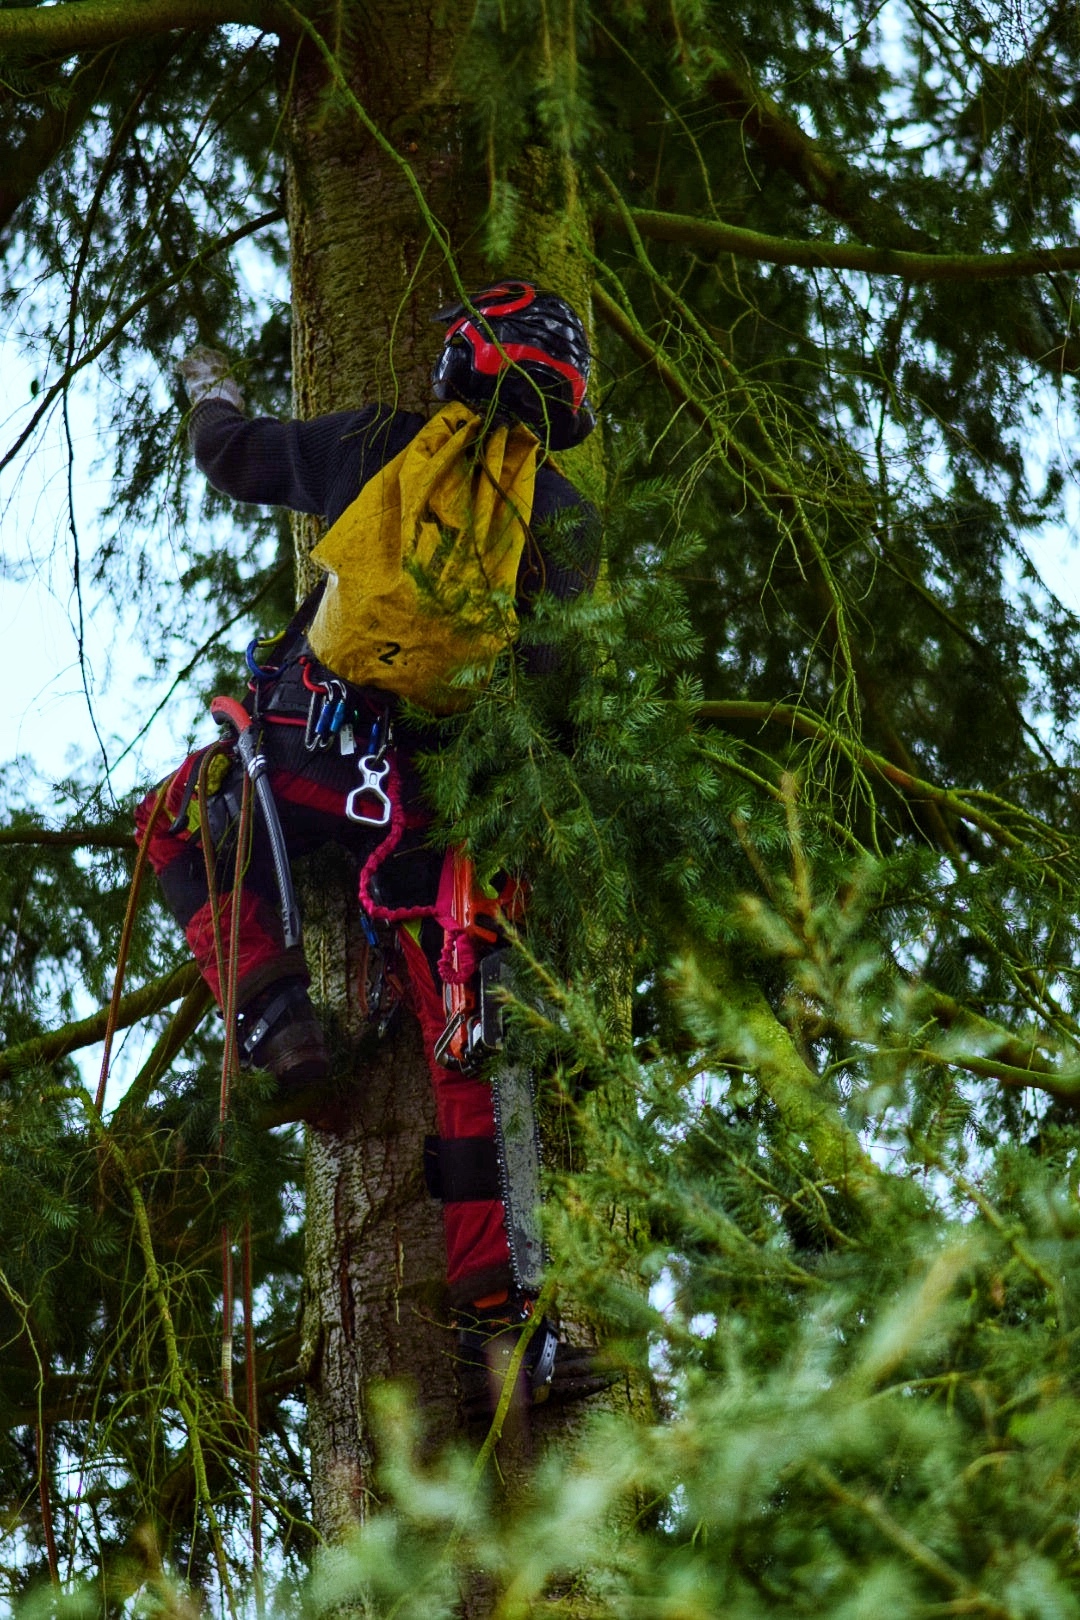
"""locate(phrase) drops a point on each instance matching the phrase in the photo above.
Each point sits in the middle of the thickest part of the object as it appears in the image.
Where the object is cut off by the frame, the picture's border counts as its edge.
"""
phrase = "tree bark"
(366, 276)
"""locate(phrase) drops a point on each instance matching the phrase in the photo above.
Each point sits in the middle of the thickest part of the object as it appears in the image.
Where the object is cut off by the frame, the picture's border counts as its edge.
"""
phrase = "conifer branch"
(1012, 1049)
(141, 1003)
(968, 1598)
(846, 195)
(1006, 1230)
(89, 25)
(25, 835)
(220, 244)
(772, 790)
(715, 236)
(53, 130)
(1031, 985)
(1064, 1085)
(812, 725)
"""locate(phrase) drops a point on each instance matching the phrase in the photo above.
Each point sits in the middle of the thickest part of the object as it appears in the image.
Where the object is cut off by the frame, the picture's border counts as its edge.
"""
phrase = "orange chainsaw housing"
(478, 917)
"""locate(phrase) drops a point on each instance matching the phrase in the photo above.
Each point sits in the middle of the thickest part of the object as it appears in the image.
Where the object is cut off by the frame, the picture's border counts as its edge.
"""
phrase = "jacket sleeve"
(274, 463)
(562, 558)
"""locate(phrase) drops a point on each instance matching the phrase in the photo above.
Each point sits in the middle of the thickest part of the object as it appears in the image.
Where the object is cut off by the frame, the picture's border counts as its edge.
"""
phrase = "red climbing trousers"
(311, 788)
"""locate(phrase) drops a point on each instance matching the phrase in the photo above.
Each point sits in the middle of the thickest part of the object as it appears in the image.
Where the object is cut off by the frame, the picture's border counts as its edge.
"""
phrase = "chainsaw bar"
(517, 1142)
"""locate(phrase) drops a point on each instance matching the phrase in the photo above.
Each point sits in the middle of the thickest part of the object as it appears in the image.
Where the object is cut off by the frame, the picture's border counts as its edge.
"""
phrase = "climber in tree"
(436, 543)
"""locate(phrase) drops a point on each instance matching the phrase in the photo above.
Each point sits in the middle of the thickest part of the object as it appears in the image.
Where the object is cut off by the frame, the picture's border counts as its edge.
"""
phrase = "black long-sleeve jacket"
(320, 466)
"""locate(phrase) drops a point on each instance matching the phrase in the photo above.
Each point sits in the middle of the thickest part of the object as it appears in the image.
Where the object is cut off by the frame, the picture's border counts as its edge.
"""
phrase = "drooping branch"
(74, 1397)
(221, 244)
(847, 195)
(921, 791)
(22, 163)
(714, 236)
(764, 481)
(89, 25)
(141, 1003)
(183, 1388)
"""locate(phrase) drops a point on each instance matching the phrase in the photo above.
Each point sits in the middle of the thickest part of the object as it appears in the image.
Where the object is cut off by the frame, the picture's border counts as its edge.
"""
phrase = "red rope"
(252, 1418)
(207, 842)
(41, 1440)
(125, 943)
(400, 820)
(228, 983)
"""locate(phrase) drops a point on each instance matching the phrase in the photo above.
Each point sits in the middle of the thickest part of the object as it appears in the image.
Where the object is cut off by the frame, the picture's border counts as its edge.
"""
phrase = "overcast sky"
(46, 717)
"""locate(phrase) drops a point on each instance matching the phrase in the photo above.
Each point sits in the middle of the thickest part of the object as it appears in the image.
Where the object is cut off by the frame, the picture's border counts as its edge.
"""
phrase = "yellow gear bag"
(423, 564)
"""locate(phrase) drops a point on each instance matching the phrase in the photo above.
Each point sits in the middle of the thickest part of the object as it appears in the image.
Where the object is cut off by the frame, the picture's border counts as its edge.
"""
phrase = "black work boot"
(278, 1031)
(487, 1337)
(551, 1369)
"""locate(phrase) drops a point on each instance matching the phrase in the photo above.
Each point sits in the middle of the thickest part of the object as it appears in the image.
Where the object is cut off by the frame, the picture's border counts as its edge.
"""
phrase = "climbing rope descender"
(370, 803)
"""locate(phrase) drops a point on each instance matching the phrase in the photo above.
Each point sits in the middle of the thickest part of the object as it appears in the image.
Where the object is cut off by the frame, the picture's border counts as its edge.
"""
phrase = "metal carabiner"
(373, 773)
(339, 699)
(320, 710)
(312, 740)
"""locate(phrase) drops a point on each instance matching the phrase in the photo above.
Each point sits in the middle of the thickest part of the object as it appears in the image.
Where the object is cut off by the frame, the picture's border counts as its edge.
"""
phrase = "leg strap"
(461, 1171)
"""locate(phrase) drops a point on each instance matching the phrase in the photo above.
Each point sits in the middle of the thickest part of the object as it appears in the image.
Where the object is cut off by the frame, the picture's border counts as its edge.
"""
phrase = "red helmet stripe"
(491, 358)
(520, 294)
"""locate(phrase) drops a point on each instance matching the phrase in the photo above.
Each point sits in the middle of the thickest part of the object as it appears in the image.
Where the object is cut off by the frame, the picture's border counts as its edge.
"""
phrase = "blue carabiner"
(261, 672)
(337, 719)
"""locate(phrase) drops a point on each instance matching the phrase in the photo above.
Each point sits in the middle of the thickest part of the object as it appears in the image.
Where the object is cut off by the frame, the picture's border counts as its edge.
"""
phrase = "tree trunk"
(366, 277)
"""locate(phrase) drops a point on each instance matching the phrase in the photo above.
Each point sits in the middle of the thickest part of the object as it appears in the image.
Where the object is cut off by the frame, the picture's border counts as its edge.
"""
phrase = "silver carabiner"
(373, 773)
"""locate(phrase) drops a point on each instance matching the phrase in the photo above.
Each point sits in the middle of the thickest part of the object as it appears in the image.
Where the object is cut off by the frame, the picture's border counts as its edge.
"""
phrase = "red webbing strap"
(207, 845)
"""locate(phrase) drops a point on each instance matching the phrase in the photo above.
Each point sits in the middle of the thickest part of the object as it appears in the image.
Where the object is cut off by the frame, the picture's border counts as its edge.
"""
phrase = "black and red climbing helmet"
(525, 353)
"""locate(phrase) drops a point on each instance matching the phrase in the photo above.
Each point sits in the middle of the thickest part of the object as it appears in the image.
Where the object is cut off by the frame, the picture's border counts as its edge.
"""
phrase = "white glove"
(206, 376)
